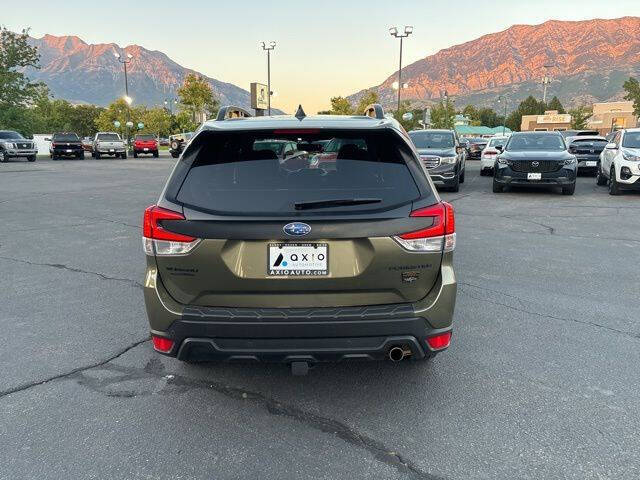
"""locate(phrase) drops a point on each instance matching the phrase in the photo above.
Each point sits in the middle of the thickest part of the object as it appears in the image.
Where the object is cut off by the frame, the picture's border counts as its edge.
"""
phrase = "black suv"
(535, 159)
(250, 259)
(66, 144)
(442, 155)
(14, 145)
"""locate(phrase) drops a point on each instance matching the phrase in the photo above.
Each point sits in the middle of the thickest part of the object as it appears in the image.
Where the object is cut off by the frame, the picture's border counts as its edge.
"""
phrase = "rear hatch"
(274, 234)
(587, 146)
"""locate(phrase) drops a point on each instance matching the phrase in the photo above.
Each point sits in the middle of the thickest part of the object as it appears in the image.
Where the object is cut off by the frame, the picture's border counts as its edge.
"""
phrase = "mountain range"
(83, 73)
(587, 62)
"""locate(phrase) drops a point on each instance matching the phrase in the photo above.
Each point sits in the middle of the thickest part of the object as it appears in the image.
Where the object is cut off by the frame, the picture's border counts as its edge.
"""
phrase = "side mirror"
(612, 146)
(500, 148)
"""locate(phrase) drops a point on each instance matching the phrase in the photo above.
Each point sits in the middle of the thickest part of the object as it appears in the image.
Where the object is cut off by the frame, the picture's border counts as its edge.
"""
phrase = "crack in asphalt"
(173, 383)
(539, 314)
(61, 266)
(26, 386)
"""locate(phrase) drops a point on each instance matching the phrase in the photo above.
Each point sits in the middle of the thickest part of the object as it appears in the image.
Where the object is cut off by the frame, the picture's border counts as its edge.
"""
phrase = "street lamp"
(408, 30)
(268, 49)
(504, 118)
(125, 61)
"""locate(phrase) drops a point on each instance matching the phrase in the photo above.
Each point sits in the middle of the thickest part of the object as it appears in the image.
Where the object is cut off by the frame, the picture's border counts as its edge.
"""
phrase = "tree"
(184, 122)
(529, 106)
(579, 117)
(15, 54)
(119, 111)
(157, 121)
(196, 97)
(367, 99)
(341, 106)
(443, 115)
(632, 87)
(555, 104)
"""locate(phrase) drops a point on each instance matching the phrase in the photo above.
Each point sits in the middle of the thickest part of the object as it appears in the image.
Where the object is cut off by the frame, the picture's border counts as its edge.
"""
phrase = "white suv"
(619, 164)
(490, 153)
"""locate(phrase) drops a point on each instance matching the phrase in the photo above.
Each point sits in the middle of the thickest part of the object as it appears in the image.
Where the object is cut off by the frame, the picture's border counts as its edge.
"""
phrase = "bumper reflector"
(162, 344)
(438, 342)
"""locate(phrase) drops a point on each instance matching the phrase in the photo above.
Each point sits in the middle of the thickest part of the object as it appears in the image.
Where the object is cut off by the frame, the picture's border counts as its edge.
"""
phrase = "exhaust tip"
(397, 354)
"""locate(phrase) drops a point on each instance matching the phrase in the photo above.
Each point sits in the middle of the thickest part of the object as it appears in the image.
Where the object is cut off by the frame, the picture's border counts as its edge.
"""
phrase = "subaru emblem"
(296, 229)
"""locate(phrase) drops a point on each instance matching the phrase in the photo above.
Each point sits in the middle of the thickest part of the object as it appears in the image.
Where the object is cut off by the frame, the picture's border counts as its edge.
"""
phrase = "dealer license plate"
(534, 176)
(298, 259)
(590, 163)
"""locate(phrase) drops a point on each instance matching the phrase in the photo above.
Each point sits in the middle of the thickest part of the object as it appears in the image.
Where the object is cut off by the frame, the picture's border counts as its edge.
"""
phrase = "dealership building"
(611, 116)
(550, 121)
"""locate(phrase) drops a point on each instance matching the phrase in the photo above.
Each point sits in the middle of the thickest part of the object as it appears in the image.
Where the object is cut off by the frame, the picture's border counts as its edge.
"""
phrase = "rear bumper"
(142, 149)
(67, 151)
(326, 334)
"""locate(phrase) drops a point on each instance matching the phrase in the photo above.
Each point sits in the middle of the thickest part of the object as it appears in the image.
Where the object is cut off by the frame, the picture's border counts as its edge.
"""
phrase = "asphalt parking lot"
(541, 380)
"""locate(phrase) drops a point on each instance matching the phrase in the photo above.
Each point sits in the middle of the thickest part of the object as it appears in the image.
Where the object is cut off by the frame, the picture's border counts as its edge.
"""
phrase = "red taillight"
(443, 221)
(162, 344)
(151, 228)
(438, 342)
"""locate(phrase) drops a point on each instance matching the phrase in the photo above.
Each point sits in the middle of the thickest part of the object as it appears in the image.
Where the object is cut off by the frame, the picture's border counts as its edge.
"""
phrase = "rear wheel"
(569, 190)
(98, 155)
(614, 188)
(601, 180)
(124, 155)
(497, 188)
(156, 154)
(80, 155)
(135, 154)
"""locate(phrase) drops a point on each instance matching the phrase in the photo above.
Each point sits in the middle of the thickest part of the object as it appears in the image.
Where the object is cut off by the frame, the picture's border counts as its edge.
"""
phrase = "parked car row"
(548, 159)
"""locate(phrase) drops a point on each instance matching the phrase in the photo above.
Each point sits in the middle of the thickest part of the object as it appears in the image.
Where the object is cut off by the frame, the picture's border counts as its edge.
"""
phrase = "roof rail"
(230, 111)
(374, 110)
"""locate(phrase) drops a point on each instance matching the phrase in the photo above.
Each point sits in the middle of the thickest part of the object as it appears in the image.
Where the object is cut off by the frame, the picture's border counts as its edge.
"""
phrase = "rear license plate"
(112, 150)
(69, 151)
(146, 149)
(590, 163)
(534, 176)
(298, 259)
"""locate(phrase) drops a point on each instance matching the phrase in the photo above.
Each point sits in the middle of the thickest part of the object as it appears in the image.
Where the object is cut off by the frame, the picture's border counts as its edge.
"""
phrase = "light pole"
(268, 49)
(408, 30)
(125, 61)
(504, 118)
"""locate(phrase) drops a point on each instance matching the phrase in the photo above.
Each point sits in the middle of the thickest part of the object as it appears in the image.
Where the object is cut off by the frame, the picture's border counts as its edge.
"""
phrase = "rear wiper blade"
(335, 203)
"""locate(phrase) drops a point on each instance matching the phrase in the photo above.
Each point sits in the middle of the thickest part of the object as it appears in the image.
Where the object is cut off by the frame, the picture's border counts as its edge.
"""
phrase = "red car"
(145, 144)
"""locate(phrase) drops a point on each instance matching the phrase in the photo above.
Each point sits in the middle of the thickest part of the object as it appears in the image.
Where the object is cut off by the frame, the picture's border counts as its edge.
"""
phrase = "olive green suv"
(256, 257)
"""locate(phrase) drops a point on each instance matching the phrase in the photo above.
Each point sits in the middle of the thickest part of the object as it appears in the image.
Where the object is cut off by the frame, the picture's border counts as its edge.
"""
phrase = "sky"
(323, 48)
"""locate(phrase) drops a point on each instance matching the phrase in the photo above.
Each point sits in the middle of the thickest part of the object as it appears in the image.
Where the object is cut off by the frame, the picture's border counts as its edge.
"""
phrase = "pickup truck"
(65, 144)
(109, 143)
(144, 143)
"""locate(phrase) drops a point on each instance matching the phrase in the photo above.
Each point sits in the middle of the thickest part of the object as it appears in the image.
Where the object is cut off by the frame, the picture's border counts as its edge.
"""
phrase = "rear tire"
(614, 188)
(569, 190)
(497, 188)
(135, 154)
(174, 155)
(80, 156)
(123, 156)
(156, 154)
(97, 155)
(601, 180)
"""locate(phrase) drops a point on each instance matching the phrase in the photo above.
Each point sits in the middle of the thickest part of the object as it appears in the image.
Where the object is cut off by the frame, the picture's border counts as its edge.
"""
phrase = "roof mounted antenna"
(300, 113)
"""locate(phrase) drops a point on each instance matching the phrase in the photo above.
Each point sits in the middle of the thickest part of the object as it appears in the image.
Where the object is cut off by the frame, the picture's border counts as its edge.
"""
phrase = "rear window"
(232, 174)
(145, 137)
(108, 137)
(65, 137)
(589, 142)
(427, 139)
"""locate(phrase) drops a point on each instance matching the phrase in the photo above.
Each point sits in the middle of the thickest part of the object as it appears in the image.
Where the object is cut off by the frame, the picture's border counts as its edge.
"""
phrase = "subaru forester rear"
(254, 257)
